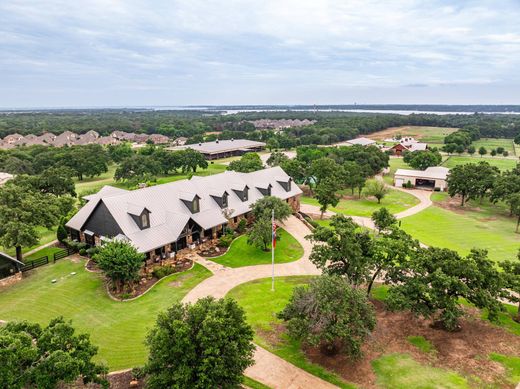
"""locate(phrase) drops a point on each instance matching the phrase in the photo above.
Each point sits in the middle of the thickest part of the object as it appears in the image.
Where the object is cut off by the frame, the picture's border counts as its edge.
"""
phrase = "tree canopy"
(38, 357)
(121, 262)
(249, 162)
(203, 345)
(432, 283)
(331, 314)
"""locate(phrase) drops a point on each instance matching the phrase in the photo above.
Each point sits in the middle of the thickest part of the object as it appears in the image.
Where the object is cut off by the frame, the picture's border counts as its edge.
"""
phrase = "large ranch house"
(164, 219)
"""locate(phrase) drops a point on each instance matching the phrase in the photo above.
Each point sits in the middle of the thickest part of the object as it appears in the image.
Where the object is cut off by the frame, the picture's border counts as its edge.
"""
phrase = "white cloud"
(288, 45)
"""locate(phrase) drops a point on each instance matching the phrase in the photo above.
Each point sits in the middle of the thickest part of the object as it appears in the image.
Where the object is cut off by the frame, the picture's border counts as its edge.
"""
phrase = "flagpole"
(272, 249)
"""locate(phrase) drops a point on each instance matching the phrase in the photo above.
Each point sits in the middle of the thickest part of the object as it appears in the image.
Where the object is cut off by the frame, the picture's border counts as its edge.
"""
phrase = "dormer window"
(191, 201)
(220, 198)
(144, 220)
(285, 183)
(195, 205)
(265, 189)
(225, 200)
(243, 194)
(140, 214)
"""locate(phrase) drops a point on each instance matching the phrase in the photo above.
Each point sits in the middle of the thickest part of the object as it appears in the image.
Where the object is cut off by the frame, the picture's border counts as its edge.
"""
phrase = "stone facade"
(8, 281)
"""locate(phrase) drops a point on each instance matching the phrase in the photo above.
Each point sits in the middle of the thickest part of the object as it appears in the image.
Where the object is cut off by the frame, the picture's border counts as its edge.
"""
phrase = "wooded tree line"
(330, 127)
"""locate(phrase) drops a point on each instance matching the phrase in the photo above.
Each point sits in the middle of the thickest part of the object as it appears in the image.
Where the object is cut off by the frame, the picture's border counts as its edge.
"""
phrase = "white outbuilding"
(433, 178)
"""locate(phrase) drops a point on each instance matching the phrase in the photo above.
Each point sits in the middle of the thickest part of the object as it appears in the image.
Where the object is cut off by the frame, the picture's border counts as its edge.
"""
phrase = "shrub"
(92, 251)
(163, 271)
(138, 373)
(61, 233)
(241, 226)
(225, 240)
(83, 252)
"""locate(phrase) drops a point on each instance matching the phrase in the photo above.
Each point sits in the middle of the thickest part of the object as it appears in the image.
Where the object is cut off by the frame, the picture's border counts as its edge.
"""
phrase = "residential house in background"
(164, 219)
(12, 138)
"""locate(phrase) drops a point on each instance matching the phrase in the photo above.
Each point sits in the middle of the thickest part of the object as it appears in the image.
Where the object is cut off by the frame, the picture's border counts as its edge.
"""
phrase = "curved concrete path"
(269, 369)
(422, 195)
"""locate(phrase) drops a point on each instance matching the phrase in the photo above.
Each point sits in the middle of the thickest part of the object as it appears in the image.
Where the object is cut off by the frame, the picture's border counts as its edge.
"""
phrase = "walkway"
(268, 368)
(422, 195)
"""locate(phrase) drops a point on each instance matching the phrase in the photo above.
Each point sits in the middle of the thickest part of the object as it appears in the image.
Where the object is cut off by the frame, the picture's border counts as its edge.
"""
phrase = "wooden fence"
(46, 259)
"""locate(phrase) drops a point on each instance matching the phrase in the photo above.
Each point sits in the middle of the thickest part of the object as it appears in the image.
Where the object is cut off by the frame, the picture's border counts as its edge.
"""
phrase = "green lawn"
(500, 162)
(421, 343)
(242, 254)
(512, 365)
(396, 371)
(487, 228)
(117, 328)
(493, 143)
(46, 251)
(96, 183)
(262, 305)
(395, 201)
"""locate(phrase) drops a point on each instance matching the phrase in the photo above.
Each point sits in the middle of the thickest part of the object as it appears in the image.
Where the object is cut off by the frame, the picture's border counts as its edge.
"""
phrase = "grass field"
(117, 328)
(242, 254)
(46, 251)
(488, 228)
(96, 183)
(493, 143)
(501, 163)
(262, 305)
(431, 135)
(401, 371)
(395, 201)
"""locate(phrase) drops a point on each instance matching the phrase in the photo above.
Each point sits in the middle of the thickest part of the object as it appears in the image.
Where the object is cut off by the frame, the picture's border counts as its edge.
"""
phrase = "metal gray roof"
(221, 146)
(169, 214)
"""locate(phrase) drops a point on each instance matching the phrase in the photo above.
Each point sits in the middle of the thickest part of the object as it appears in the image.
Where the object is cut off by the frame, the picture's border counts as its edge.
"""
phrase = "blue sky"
(142, 53)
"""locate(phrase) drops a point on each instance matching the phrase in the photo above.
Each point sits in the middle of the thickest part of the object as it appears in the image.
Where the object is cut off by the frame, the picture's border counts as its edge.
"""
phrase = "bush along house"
(162, 220)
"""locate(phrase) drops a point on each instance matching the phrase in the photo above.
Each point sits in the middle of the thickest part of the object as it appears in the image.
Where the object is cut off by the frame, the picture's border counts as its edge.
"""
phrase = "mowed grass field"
(392, 370)
(499, 162)
(395, 201)
(117, 328)
(240, 253)
(482, 226)
(430, 135)
(493, 143)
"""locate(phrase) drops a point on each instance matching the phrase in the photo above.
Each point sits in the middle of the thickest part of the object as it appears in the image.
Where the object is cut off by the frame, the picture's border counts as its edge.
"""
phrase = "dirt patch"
(213, 252)
(116, 380)
(453, 204)
(179, 281)
(465, 351)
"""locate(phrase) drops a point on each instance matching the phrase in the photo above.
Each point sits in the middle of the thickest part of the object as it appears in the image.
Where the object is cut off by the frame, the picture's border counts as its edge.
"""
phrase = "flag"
(274, 234)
